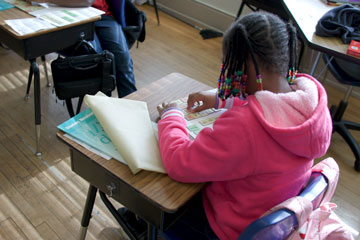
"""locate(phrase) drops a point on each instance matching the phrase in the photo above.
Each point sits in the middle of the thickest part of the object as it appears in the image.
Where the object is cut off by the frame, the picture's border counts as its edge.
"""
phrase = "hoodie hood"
(296, 119)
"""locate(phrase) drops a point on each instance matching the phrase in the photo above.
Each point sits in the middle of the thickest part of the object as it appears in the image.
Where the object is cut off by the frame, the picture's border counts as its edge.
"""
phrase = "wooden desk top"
(15, 13)
(168, 194)
(306, 14)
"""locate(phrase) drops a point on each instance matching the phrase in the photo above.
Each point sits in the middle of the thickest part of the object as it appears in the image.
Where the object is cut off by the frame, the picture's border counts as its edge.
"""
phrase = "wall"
(219, 14)
(229, 7)
(213, 14)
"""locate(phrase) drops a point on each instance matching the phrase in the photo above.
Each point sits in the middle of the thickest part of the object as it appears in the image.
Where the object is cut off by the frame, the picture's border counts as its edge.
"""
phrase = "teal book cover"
(86, 128)
(4, 5)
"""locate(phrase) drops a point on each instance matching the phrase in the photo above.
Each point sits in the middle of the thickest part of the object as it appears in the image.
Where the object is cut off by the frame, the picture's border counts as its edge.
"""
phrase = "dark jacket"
(342, 21)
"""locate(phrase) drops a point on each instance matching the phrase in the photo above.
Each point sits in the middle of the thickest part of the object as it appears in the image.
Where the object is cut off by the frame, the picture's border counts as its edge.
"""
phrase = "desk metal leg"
(316, 62)
(156, 12)
(117, 216)
(152, 232)
(89, 205)
(27, 96)
(36, 73)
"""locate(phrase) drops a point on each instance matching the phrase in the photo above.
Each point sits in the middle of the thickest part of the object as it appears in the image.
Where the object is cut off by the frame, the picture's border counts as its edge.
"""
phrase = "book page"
(28, 25)
(61, 16)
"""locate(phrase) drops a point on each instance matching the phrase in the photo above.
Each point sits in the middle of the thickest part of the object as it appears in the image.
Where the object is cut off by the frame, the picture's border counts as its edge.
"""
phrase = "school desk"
(38, 44)
(305, 14)
(153, 196)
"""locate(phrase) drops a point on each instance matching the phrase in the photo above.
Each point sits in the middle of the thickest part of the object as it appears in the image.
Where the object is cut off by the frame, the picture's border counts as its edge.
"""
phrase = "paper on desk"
(61, 16)
(28, 25)
(127, 123)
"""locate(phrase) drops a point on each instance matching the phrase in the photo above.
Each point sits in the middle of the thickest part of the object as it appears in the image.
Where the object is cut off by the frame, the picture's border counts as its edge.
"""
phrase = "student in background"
(261, 150)
(108, 36)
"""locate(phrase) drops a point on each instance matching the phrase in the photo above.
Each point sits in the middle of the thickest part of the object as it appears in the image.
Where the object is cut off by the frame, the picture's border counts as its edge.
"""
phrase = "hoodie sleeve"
(212, 156)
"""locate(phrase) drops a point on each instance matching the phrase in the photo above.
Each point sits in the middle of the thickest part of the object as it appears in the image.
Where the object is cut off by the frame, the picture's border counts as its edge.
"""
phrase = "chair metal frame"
(280, 224)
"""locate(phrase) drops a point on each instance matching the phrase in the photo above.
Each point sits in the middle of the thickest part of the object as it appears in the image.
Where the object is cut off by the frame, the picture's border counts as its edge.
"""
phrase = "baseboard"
(197, 14)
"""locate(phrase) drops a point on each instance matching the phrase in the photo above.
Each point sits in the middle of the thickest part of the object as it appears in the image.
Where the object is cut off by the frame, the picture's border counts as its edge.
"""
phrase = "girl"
(259, 152)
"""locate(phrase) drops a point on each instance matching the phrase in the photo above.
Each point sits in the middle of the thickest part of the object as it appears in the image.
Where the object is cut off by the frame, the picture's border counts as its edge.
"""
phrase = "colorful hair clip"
(291, 75)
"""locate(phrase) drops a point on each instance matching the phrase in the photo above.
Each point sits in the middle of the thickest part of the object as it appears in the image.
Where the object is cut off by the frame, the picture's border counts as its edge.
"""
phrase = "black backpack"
(82, 72)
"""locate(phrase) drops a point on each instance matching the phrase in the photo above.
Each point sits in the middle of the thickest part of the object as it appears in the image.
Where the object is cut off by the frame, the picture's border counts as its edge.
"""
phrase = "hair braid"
(268, 41)
(293, 65)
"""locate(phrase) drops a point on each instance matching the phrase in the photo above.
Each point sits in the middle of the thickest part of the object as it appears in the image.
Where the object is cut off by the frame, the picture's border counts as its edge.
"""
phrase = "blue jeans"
(109, 36)
(192, 225)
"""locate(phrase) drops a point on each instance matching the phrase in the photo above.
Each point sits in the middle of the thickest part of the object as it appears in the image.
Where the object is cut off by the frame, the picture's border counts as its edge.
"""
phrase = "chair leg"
(43, 59)
(349, 139)
(240, 9)
(351, 125)
(340, 110)
(117, 216)
(156, 12)
(302, 48)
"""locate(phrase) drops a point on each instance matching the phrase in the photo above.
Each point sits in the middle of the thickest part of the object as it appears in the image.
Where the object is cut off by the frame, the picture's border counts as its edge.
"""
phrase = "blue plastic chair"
(281, 223)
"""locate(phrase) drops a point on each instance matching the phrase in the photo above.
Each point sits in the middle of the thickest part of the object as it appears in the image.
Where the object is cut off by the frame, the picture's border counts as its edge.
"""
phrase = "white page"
(28, 25)
(88, 147)
(61, 16)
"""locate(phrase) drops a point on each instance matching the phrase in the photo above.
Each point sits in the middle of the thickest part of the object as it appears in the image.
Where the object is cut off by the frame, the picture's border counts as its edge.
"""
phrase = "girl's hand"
(200, 101)
(165, 105)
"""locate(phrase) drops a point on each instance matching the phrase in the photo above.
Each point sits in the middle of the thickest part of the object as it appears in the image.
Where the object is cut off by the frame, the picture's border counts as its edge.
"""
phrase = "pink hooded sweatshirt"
(258, 154)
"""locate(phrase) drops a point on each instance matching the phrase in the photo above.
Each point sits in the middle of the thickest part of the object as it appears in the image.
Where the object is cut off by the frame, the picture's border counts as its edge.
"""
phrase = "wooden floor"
(41, 198)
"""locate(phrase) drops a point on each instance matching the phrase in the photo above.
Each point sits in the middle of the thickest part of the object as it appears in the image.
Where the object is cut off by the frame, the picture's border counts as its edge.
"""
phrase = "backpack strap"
(69, 106)
(106, 70)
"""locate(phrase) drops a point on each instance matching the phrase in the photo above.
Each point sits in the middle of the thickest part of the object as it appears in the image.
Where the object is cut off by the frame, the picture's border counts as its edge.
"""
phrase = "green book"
(4, 5)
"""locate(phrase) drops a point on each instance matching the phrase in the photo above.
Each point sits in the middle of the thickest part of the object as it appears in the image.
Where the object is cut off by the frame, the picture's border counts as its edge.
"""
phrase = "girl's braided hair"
(268, 40)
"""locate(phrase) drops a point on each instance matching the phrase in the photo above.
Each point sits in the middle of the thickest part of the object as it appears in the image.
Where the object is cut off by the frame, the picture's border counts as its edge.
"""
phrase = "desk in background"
(305, 15)
(153, 196)
(34, 45)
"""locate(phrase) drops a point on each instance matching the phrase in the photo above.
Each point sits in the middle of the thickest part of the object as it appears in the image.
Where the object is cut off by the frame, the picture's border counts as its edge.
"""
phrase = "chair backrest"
(336, 67)
(280, 224)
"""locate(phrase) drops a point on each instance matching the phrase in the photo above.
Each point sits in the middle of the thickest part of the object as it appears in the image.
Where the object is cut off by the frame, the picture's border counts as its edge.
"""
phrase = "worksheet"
(195, 122)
